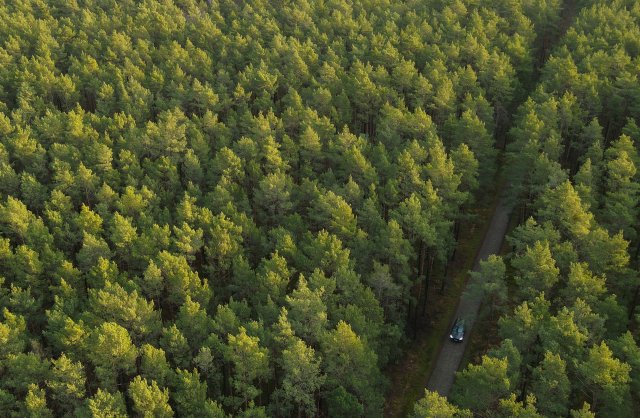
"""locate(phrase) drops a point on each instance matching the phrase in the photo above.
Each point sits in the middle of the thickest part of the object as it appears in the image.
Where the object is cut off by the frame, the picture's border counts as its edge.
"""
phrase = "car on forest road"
(457, 331)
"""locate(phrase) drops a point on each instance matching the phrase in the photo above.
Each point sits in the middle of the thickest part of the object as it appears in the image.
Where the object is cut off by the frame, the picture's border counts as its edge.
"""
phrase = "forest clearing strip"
(450, 356)
(418, 365)
(485, 333)
(408, 376)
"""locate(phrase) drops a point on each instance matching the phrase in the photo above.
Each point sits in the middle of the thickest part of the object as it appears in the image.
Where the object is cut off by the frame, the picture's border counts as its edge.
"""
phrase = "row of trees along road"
(568, 290)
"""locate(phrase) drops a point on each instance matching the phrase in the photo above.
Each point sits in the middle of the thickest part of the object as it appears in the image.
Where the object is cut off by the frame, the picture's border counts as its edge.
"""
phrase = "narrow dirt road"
(450, 355)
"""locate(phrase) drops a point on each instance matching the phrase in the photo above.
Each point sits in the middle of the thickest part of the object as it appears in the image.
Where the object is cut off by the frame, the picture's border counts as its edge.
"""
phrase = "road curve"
(450, 355)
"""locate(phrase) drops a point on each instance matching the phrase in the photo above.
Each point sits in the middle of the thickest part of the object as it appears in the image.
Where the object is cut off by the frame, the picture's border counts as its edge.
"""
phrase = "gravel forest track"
(450, 355)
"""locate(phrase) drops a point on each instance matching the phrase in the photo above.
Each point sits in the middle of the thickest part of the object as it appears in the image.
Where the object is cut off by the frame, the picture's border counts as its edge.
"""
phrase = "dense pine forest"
(236, 208)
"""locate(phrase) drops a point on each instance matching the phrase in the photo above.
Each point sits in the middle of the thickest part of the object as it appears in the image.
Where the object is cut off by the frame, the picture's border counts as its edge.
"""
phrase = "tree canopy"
(231, 208)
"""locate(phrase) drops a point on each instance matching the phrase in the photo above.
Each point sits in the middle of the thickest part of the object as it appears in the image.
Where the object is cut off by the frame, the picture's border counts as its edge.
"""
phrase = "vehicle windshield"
(458, 328)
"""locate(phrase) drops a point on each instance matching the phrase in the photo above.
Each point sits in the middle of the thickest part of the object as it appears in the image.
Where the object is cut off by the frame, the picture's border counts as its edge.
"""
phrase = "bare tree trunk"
(444, 278)
(421, 260)
(415, 312)
(427, 278)
(634, 302)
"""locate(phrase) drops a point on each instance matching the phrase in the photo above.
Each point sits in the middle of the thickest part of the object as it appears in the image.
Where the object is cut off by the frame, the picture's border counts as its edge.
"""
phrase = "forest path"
(450, 356)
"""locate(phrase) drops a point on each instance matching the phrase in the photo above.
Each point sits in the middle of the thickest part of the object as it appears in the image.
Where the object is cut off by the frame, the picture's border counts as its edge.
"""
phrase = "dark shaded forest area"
(232, 208)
